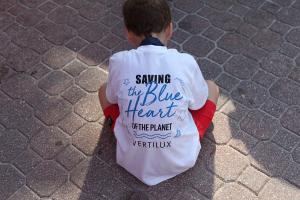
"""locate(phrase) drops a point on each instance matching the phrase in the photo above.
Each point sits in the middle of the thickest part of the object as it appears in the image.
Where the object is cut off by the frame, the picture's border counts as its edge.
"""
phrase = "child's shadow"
(101, 177)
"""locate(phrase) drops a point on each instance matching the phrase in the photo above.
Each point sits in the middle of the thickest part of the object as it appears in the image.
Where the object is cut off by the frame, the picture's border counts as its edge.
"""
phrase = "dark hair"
(144, 17)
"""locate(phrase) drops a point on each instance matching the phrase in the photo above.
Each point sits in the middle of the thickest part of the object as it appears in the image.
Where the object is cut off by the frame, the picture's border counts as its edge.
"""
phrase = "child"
(157, 99)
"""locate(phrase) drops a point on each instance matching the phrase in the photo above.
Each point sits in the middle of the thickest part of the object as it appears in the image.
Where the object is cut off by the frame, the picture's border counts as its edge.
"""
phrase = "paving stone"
(93, 54)
(92, 12)
(286, 139)
(254, 52)
(295, 74)
(77, 4)
(284, 190)
(39, 71)
(241, 67)
(24, 193)
(293, 37)
(18, 115)
(249, 94)
(227, 82)
(91, 79)
(296, 4)
(46, 178)
(239, 10)
(209, 70)
(58, 57)
(223, 128)
(5, 20)
(116, 30)
(31, 3)
(188, 6)
(269, 158)
(193, 24)
(4, 41)
(95, 177)
(251, 4)
(87, 138)
(206, 11)
(273, 107)
(253, 179)
(47, 7)
(219, 56)
(259, 125)
(23, 60)
(289, 16)
(71, 123)
(18, 85)
(53, 110)
(176, 14)
(264, 78)
(280, 27)
(75, 68)
(112, 41)
(298, 60)
(233, 43)
(55, 83)
(296, 154)
(290, 118)
(10, 181)
(67, 191)
(234, 110)
(62, 15)
(27, 161)
(259, 18)
(267, 40)
(234, 191)
(292, 174)
(242, 142)
(30, 17)
(17, 9)
(48, 142)
(89, 108)
(220, 4)
(225, 21)
(77, 22)
(270, 7)
(62, 2)
(4, 5)
(58, 34)
(12, 143)
(223, 98)
(213, 33)
(227, 163)
(198, 46)
(111, 20)
(188, 193)
(286, 91)
(289, 50)
(277, 64)
(76, 44)
(70, 157)
(73, 94)
(93, 32)
(247, 30)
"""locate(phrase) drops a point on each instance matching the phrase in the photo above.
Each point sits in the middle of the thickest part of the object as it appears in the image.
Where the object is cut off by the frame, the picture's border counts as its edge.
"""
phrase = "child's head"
(144, 18)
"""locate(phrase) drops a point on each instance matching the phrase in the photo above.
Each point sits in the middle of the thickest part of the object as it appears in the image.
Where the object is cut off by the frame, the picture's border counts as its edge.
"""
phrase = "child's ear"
(169, 31)
(132, 38)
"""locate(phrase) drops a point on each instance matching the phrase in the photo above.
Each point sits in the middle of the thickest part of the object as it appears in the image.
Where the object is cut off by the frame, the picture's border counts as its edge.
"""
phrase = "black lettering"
(168, 78)
(138, 79)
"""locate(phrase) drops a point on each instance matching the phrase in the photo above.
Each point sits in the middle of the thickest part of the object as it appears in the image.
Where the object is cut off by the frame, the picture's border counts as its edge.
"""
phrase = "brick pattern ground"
(54, 141)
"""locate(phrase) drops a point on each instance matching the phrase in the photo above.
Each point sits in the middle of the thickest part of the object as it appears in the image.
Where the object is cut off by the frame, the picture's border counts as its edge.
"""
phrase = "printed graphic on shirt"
(152, 98)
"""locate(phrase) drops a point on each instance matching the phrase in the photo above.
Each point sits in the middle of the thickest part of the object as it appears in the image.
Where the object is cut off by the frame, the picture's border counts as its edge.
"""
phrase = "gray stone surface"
(54, 56)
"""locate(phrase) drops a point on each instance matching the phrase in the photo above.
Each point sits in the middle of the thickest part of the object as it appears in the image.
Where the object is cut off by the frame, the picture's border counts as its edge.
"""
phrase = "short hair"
(143, 17)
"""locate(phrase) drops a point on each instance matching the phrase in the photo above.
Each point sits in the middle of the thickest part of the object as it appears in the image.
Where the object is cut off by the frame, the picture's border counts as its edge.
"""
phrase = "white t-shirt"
(154, 87)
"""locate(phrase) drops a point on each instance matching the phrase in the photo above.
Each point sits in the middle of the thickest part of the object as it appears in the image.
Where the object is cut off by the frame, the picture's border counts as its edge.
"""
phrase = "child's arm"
(102, 97)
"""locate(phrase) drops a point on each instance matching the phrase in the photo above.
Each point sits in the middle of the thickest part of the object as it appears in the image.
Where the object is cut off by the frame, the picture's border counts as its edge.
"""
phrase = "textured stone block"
(274, 107)
(286, 91)
(289, 16)
(219, 56)
(87, 138)
(70, 157)
(10, 181)
(263, 78)
(259, 18)
(55, 83)
(280, 27)
(23, 60)
(277, 64)
(293, 37)
(284, 190)
(253, 179)
(234, 191)
(71, 123)
(242, 142)
(213, 33)
(270, 158)
(89, 108)
(295, 74)
(93, 32)
(225, 21)
(267, 40)
(58, 57)
(193, 24)
(24, 193)
(259, 125)
(233, 43)
(188, 193)
(227, 163)
(48, 142)
(47, 178)
(74, 94)
(92, 11)
(30, 17)
(209, 70)
(188, 6)
(91, 79)
(286, 139)
(93, 54)
(291, 118)
(27, 161)
(198, 46)
(68, 191)
(76, 44)
(227, 82)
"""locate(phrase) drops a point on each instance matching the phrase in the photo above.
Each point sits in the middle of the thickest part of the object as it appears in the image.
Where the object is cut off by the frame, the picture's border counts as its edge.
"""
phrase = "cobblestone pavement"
(54, 143)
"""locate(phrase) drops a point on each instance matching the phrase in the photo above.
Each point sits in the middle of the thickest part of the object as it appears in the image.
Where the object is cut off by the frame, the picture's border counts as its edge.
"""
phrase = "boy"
(157, 99)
